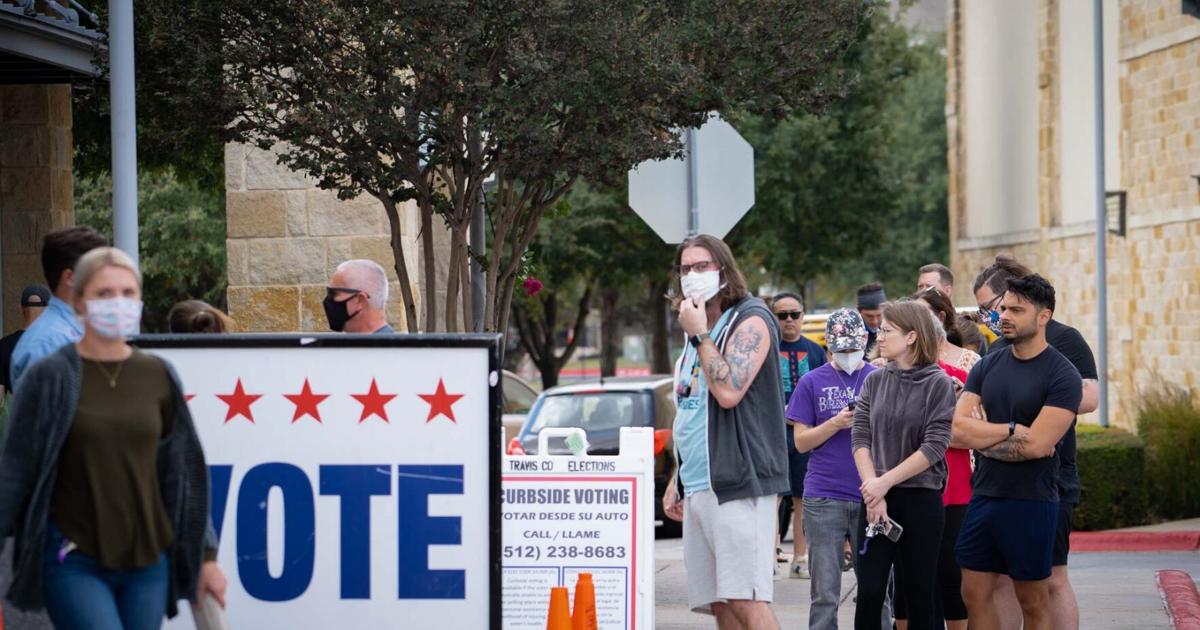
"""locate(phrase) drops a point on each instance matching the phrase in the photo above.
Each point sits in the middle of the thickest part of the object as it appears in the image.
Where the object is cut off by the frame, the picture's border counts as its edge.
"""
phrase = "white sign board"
(565, 515)
(660, 191)
(353, 478)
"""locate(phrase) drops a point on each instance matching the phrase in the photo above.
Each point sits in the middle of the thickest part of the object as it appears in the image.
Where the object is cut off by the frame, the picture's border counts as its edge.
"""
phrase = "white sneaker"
(799, 569)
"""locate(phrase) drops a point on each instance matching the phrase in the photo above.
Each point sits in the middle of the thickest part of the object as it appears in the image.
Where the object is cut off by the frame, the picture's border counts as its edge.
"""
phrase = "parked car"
(602, 408)
(516, 399)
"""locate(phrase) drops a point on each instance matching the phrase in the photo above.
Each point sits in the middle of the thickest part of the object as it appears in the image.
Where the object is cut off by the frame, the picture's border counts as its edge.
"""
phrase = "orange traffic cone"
(585, 604)
(560, 614)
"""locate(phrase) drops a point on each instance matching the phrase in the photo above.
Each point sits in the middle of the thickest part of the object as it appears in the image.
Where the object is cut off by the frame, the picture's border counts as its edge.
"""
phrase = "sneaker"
(799, 569)
(848, 562)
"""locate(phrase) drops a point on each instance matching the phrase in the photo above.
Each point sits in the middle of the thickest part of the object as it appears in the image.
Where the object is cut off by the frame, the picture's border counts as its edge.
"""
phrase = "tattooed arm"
(1037, 441)
(730, 375)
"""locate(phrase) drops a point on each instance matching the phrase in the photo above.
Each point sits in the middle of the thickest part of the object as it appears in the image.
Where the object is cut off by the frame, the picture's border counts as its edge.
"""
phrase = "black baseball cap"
(35, 296)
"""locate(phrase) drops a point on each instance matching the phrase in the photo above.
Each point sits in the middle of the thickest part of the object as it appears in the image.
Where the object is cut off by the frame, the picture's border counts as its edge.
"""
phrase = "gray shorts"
(728, 549)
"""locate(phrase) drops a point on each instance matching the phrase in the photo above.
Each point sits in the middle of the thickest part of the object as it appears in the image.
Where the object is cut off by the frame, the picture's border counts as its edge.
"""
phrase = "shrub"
(1111, 465)
(1169, 422)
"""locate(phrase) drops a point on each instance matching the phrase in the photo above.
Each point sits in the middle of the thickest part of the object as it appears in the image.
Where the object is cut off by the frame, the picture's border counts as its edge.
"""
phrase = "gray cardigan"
(39, 419)
(903, 411)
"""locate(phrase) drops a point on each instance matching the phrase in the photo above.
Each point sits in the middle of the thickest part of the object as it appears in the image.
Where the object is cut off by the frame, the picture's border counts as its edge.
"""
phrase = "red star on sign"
(373, 403)
(239, 402)
(188, 397)
(441, 403)
(306, 403)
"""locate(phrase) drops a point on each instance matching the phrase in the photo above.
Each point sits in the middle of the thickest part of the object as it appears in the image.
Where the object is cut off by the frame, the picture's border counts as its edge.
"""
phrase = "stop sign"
(707, 191)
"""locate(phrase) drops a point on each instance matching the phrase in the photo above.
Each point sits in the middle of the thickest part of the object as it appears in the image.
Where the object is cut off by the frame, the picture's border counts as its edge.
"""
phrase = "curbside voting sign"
(565, 515)
(354, 479)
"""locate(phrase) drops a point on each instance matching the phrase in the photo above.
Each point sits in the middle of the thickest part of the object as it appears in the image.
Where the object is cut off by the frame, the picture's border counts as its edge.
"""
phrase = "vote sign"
(354, 479)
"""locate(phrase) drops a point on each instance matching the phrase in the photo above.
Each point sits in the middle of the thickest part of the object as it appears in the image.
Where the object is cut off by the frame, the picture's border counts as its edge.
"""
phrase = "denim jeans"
(827, 525)
(80, 593)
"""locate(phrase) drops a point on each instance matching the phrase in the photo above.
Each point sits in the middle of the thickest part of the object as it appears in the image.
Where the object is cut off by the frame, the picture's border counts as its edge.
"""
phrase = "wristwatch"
(695, 340)
(1012, 427)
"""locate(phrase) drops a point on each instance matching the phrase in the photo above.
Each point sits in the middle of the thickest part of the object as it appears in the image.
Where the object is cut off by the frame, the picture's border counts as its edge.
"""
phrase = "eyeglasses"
(986, 309)
(333, 291)
(786, 315)
(698, 267)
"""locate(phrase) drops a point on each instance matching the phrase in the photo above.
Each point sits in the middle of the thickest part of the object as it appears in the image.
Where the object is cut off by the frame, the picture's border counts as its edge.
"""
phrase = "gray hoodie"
(901, 412)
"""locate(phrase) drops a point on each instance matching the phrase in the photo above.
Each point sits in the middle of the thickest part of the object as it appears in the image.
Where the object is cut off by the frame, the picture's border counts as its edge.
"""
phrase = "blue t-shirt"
(691, 416)
(1017, 390)
(797, 358)
(52, 330)
(820, 395)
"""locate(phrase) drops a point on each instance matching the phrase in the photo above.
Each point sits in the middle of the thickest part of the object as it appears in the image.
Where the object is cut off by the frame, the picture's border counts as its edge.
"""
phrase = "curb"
(1135, 541)
(1180, 598)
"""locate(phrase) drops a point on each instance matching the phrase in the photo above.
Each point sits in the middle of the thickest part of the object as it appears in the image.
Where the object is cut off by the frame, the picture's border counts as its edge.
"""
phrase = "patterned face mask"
(992, 320)
(115, 318)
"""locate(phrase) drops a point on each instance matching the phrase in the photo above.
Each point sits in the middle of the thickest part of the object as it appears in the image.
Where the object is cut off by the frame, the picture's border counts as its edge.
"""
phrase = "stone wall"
(36, 186)
(1153, 271)
(286, 237)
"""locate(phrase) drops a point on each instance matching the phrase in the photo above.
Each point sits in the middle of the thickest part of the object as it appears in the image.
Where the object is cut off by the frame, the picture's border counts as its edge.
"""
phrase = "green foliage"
(181, 238)
(1168, 419)
(857, 193)
(181, 118)
(1112, 478)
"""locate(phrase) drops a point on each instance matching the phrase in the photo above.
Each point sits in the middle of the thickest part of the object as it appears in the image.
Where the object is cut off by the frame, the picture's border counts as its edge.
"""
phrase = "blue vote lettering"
(354, 485)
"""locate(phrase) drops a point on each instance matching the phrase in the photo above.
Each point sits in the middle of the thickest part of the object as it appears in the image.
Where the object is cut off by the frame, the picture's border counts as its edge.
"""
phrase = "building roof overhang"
(40, 48)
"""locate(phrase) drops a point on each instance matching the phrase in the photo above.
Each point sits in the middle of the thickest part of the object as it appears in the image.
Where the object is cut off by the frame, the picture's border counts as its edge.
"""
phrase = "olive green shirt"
(106, 496)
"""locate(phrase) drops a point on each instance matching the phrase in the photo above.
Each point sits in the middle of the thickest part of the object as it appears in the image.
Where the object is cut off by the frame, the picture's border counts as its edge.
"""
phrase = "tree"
(182, 226)
(859, 193)
(426, 100)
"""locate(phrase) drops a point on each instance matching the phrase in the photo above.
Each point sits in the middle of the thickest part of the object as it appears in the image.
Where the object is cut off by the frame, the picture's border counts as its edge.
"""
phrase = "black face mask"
(337, 313)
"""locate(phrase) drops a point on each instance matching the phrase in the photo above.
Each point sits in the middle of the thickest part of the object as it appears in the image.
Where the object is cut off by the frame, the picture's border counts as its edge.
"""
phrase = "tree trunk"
(427, 254)
(549, 365)
(660, 351)
(406, 292)
(457, 241)
(610, 330)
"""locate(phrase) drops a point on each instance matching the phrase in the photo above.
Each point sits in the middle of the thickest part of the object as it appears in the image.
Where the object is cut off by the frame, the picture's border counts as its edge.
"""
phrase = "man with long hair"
(729, 438)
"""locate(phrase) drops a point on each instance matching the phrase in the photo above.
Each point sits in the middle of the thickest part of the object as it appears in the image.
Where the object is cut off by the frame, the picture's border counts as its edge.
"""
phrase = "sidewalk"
(1116, 590)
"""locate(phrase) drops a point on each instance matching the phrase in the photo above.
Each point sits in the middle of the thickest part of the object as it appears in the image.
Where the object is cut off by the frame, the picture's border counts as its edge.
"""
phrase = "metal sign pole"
(1101, 218)
(693, 160)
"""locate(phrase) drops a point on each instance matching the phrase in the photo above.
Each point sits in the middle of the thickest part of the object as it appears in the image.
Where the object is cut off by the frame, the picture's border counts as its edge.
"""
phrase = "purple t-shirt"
(819, 396)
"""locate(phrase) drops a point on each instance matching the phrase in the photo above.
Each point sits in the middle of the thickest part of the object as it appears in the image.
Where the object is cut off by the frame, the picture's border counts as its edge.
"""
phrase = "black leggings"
(949, 604)
(920, 513)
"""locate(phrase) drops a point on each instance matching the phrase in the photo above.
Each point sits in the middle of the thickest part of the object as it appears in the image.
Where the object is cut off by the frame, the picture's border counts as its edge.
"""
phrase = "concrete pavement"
(1115, 590)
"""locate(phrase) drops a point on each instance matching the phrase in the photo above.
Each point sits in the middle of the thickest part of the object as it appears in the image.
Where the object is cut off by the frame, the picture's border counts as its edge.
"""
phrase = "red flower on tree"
(532, 286)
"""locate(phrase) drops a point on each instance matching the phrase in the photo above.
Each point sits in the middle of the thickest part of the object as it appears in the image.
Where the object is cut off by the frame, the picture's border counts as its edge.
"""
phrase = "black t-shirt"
(1071, 344)
(7, 345)
(1015, 389)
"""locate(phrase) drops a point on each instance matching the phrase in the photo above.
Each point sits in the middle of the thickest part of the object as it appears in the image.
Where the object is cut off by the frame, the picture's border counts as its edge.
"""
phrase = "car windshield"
(594, 411)
(517, 397)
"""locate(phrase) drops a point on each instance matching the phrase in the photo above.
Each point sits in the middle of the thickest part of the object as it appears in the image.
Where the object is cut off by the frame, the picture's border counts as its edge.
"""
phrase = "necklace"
(111, 376)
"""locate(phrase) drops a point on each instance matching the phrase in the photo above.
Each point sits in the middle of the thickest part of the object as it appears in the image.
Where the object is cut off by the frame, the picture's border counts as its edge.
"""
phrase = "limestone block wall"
(36, 185)
(1153, 271)
(286, 237)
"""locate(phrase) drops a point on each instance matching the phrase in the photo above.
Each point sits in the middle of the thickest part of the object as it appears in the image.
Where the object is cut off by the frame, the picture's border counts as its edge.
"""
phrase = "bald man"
(356, 298)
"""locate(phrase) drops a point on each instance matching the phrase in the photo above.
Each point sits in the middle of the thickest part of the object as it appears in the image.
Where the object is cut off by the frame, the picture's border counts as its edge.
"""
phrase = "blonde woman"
(902, 423)
(102, 477)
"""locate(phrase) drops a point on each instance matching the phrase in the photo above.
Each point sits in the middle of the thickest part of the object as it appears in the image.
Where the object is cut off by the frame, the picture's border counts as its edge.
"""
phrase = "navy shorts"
(1014, 537)
(1062, 539)
(797, 464)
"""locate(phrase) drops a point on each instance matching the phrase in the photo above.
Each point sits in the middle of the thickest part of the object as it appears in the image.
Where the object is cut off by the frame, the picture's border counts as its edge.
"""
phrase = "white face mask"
(701, 285)
(848, 362)
(115, 318)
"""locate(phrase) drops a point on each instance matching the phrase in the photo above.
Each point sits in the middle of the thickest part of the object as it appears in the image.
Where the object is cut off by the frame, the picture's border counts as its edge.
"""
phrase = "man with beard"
(1018, 403)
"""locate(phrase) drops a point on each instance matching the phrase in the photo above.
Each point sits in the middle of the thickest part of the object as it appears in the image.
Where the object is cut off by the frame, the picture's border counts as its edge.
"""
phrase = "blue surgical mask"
(993, 321)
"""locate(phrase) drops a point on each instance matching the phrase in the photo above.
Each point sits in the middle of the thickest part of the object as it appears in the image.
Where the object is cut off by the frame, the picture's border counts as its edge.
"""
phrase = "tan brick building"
(1020, 121)
(286, 237)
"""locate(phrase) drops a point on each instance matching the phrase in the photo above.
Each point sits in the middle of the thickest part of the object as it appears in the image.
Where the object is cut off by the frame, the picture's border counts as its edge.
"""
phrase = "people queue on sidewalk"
(945, 479)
